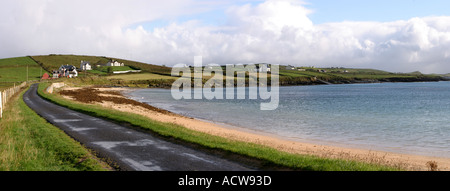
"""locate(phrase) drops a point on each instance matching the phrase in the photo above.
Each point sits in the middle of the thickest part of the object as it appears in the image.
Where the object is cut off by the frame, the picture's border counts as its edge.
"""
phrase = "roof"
(68, 67)
(46, 76)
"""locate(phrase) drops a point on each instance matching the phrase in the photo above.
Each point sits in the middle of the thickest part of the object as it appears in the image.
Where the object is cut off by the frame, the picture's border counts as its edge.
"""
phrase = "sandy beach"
(409, 162)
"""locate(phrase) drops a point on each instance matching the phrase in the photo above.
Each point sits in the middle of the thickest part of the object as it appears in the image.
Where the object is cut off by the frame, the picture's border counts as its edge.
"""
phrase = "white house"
(263, 68)
(85, 66)
(66, 71)
(114, 63)
(289, 67)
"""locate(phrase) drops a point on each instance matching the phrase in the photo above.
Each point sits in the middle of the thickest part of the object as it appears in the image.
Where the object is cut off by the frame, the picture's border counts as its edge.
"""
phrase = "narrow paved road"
(132, 150)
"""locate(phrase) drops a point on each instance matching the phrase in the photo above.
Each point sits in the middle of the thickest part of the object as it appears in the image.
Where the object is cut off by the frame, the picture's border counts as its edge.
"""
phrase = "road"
(130, 149)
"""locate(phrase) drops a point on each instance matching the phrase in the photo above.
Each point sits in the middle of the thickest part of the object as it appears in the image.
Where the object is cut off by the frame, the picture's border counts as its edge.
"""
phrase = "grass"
(349, 75)
(115, 68)
(53, 62)
(160, 76)
(269, 155)
(14, 71)
(29, 143)
(142, 76)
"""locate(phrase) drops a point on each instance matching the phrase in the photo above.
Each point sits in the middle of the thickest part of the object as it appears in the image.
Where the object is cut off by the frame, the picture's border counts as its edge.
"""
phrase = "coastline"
(406, 161)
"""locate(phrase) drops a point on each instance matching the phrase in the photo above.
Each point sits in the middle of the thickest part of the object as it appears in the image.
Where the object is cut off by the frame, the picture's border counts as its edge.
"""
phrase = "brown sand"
(405, 161)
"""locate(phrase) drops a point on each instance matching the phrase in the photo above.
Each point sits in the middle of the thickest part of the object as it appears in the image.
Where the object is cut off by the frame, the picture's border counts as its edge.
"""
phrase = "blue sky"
(375, 10)
(326, 11)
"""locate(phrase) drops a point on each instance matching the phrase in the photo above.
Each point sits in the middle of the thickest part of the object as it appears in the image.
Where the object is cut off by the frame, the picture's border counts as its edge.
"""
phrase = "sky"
(396, 36)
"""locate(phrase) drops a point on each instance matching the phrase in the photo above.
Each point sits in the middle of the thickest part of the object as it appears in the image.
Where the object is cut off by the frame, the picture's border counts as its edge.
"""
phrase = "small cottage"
(68, 71)
(263, 68)
(114, 63)
(85, 66)
(289, 67)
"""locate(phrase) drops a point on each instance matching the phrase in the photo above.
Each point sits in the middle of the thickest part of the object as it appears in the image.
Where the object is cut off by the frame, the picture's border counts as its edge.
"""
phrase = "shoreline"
(286, 144)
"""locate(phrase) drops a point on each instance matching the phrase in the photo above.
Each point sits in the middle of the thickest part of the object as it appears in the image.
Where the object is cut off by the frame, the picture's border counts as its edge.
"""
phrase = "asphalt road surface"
(130, 149)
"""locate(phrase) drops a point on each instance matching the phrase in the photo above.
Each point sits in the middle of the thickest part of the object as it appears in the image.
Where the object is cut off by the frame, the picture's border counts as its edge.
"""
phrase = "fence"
(5, 95)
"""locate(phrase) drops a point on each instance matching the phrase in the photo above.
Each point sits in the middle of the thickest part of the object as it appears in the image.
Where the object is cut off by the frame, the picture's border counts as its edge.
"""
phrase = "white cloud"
(271, 31)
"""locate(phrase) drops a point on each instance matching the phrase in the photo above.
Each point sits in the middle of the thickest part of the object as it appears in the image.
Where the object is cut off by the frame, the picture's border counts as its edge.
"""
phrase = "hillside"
(14, 71)
(53, 62)
(305, 76)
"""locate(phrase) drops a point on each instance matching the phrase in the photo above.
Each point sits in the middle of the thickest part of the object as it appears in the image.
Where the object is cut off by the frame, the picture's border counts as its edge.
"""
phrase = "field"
(160, 76)
(142, 76)
(14, 71)
(53, 62)
(348, 75)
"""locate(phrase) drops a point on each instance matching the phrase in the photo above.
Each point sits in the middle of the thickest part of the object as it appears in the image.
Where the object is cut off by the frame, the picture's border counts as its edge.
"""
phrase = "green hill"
(53, 62)
(15, 70)
(306, 76)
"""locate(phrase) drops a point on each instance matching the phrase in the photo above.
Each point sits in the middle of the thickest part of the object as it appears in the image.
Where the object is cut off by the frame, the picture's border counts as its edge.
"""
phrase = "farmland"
(160, 76)
(142, 76)
(15, 70)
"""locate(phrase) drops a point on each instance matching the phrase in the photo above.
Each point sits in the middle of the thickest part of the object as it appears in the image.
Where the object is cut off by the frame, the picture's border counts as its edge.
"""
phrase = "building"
(263, 68)
(114, 63)
(68, 71)
(85, 66)
(45, 77)
(289, 67)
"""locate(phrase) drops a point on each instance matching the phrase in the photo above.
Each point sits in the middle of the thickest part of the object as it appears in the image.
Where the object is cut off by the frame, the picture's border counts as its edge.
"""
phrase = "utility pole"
(27, 73)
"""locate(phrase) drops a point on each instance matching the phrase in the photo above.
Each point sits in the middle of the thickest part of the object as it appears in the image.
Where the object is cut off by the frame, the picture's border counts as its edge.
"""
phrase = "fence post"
(1, 105)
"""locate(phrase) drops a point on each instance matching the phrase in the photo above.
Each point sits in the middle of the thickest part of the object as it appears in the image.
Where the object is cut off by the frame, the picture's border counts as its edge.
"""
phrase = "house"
(262, 68)
(68, 71)
(85, 66)
(45, 77)
(56, 74)
(290, 67)
(114, 63)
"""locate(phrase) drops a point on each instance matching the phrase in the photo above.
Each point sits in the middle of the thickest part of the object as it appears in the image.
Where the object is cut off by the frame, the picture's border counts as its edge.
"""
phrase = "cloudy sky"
(397, 36)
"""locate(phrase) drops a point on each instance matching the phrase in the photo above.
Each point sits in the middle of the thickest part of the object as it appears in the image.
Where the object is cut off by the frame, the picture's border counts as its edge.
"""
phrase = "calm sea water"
(411, 118)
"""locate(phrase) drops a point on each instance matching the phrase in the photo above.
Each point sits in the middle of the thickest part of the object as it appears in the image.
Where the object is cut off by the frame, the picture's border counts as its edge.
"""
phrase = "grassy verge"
(270, 156)
(29, 143)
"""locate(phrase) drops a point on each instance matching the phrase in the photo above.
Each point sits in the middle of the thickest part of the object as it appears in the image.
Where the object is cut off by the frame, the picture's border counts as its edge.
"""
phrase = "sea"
(408, 118)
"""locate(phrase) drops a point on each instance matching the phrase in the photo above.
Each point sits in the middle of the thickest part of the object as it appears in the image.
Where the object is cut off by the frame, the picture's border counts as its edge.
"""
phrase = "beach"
(405, 161)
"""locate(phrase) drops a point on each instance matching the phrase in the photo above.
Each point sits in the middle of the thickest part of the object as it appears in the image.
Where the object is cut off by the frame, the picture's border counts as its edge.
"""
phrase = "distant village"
(312, 68)
(71, 71)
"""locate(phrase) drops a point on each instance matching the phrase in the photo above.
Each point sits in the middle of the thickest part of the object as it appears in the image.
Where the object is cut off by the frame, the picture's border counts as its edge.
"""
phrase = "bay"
(410, 118)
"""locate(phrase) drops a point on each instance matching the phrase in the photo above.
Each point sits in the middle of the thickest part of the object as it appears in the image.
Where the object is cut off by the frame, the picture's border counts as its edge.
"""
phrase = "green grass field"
(141, 76)
(15, 70)
(104, 69)
(29, 143)
(150, 73)
(53, 62)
